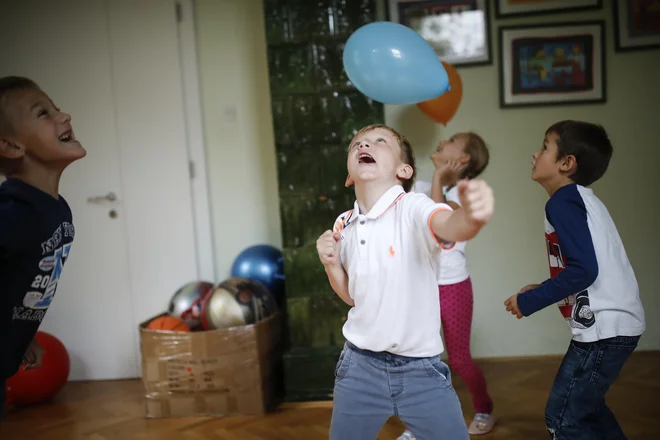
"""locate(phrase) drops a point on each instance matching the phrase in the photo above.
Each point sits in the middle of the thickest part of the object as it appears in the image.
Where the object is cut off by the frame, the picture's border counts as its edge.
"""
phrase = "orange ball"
(168, 323)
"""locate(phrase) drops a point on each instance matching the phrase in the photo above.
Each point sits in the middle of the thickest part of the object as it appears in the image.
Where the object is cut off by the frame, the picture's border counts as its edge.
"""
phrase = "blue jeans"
(370, 387)
(576, 407)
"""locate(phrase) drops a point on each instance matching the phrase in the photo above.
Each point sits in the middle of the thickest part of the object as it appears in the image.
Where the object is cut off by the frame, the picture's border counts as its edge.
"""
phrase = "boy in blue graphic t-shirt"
(591, 281)
(36, 227)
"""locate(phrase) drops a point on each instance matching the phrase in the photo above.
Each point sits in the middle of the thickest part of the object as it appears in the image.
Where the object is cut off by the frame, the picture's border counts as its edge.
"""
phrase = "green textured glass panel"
(329, 314)
(282, 120)
(299, 170)
(343, 25)
(302, 266)
(316, 112)
(290, 68)
(310, 373)
(277, 21)
(328, 124)
(361, 12)
(300, 321)
(277, 69)
(311, 18)
(334, 170)
(295, 212)
(358, 112)
(328, 66)
(305, 119)
(343, 82)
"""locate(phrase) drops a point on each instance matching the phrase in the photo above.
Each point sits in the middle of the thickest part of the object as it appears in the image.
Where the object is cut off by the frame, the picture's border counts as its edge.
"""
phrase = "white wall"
(238, 130)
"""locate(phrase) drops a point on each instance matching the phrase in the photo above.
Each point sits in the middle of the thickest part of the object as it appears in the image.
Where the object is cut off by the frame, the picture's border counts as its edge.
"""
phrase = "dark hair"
(476, 148)
(590, 145)
(9, 85)
(407, 155)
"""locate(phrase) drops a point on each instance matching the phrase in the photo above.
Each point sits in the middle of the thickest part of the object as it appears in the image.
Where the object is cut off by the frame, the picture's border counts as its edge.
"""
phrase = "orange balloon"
(443, 108)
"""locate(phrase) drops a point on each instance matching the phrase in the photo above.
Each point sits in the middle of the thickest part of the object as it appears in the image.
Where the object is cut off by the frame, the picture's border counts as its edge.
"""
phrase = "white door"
(115, 67)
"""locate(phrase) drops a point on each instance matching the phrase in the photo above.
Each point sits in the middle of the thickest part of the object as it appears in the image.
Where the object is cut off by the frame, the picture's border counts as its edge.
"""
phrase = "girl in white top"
(463, 156)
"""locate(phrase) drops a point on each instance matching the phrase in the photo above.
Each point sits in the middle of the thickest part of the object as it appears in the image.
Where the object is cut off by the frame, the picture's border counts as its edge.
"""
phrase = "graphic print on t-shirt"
(55, 252)
(575, 309)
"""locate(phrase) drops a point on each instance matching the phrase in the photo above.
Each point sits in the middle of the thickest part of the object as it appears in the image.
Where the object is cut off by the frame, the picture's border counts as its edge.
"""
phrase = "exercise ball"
(263, 263)
(393, 64)
(236, 302)
(186, 303)
(38, 385)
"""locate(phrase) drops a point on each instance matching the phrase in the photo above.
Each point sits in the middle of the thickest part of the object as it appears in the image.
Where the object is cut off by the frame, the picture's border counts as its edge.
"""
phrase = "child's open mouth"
(365, 158)
(67, 137)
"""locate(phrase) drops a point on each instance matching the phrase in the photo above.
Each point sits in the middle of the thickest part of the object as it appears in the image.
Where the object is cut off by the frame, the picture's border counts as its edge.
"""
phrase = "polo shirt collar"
(383, 204)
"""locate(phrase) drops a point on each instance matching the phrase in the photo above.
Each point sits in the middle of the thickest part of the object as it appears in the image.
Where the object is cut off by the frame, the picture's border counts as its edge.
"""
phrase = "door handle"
(110, 197)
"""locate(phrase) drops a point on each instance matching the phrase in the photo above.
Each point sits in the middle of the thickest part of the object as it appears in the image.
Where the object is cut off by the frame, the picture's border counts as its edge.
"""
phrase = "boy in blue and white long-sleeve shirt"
(592, 281)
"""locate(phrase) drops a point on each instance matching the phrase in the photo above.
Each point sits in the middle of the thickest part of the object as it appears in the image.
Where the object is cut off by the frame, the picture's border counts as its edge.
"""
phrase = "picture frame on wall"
(458, 30)
(636, 25)
(519, 8)
(552, 64)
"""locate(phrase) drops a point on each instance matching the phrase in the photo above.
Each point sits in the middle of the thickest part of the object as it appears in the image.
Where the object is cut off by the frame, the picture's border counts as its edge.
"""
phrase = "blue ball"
(393, 64)
(265, 264)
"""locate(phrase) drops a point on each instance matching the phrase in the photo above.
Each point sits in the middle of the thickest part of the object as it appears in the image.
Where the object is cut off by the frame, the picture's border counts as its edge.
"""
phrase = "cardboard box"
(224, 372)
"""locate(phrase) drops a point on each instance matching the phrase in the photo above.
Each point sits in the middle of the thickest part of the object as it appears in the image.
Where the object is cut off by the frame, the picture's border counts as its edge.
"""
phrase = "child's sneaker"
(407, 435)
(482, 424)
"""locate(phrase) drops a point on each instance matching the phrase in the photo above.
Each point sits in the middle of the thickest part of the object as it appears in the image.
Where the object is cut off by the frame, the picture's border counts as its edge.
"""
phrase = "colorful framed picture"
(517, 8)
(458, 30)
(636, 25)
(552, 64)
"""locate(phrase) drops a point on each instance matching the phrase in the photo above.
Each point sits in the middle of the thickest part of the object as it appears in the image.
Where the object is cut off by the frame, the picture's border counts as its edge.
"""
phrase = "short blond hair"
(407, 154)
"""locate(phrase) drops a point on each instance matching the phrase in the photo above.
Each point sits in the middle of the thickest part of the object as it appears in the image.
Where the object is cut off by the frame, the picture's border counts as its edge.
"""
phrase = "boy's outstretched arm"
(568, 216)
(328, 246)
(478, 204)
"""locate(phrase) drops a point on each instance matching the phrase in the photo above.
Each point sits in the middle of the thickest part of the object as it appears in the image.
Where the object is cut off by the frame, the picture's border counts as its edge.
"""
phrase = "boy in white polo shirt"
(380, 259)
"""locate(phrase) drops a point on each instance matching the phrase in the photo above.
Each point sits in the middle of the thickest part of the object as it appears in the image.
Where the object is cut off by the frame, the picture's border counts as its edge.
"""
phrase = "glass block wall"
(316, 112)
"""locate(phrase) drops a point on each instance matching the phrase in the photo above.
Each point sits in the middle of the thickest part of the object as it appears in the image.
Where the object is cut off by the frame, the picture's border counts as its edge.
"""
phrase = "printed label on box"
(192, 374)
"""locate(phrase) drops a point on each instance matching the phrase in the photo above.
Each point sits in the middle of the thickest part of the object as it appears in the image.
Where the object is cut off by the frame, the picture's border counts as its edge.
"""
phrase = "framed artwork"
(552, 64)
(518, 8)
(636, 25)
(458, 30)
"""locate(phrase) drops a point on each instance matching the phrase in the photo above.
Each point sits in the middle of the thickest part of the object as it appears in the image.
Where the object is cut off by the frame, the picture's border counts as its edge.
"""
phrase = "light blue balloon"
(393, 64)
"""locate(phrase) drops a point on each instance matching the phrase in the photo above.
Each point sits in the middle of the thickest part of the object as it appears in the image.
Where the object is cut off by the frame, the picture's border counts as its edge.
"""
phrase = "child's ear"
(568, 164)
(405, 172)
(464, 159)
(349, 181)
(10, 149)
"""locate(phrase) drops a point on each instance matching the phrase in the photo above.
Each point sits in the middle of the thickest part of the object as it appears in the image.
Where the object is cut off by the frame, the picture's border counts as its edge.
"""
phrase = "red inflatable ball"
(38, 385)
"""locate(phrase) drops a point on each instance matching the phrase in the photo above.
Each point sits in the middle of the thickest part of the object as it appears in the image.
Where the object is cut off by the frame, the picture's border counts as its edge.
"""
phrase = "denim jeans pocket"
(609, 361)
(343, 363)
(580, 347)
(436, 369)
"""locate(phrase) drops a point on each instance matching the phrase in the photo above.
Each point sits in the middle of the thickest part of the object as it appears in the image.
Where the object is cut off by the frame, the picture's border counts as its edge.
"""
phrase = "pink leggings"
(456, 314)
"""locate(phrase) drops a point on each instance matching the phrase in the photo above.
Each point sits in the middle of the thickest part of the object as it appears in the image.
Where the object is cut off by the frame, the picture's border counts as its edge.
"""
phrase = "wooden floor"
(114, 410)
